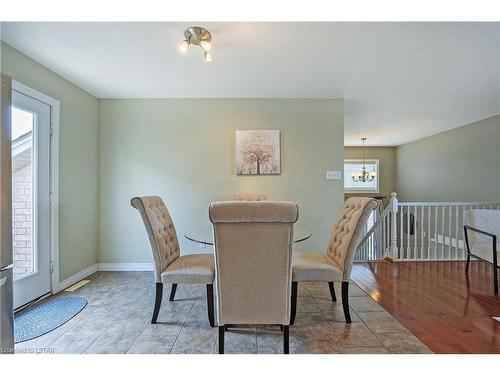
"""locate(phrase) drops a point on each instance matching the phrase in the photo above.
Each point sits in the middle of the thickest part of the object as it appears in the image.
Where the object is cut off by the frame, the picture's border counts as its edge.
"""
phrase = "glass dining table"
(203, 234)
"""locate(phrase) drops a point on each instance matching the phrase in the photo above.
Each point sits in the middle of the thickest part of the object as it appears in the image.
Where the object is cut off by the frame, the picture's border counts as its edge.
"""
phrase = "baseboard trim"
(125, 267)
(66, 283)
(109, 267)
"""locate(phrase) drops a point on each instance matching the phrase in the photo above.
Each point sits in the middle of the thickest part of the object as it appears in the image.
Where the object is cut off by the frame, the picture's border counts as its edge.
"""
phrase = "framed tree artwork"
(258, 152)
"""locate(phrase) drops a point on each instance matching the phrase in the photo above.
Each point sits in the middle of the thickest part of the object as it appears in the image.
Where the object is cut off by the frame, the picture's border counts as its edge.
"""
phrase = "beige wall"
(183, 151)
(387, 166)
(462, 164)
(78, 163)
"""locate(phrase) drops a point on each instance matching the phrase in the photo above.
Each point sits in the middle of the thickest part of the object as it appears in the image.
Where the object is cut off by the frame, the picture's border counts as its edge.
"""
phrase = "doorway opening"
(34, 187)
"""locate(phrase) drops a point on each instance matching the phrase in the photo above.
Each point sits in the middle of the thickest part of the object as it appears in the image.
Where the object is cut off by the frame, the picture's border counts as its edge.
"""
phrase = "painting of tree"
(258, 152)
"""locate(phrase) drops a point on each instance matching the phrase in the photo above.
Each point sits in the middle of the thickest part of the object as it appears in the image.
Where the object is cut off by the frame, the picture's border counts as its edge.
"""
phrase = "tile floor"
(117, 320)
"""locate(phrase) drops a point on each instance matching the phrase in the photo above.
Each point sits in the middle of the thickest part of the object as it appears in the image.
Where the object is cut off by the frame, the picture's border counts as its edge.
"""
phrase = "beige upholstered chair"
(336, 264)
(250, 197)
(482, 235)
(253, 256)
(170, 266)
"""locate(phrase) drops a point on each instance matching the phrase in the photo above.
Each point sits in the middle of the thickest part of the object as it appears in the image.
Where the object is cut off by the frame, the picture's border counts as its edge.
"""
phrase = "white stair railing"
(434, 230)
(380, 239)
(410, 231)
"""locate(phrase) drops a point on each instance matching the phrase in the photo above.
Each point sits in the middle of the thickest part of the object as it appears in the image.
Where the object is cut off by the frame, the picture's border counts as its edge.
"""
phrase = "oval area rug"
(46, 316)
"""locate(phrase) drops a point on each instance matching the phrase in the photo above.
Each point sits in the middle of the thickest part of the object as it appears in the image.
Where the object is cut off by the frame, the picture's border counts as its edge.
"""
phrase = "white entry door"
(30, 197)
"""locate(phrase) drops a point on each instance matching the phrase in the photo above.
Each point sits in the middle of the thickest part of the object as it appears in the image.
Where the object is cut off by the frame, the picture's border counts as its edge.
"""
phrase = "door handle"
(3, 280)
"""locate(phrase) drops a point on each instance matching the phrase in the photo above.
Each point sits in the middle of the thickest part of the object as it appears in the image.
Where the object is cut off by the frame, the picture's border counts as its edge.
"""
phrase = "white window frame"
(361, 190)
(54, 105)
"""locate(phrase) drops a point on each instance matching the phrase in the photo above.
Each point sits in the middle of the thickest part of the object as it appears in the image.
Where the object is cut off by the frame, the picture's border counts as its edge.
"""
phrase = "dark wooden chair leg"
(286, 339)
(172, 292)
(159, 295)
(467, 264)
(345, 301)
(210, 304)
(293, 306)
(221, 339)
(332, 291)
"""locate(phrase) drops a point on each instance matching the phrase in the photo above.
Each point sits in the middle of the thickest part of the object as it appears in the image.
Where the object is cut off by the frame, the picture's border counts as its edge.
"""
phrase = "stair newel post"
(393, 204)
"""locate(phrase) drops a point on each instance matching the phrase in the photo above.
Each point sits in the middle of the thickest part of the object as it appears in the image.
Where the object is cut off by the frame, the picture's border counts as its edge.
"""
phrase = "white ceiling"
(400, 81)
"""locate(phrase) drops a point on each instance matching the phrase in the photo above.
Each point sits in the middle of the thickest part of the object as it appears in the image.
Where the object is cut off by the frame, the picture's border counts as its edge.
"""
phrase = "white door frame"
(54, 105)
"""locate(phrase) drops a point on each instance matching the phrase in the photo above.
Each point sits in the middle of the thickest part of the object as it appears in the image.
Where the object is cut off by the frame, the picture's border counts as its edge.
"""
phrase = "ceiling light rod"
(363, 176)
(198, 36)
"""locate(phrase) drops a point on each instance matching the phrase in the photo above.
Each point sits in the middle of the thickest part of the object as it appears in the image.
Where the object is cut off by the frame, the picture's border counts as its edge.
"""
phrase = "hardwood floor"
(447, 311)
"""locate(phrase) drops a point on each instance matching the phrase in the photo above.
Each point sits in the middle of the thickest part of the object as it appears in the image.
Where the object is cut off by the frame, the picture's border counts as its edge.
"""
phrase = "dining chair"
(169, 265)
(250, 197)
(336, 263)
(253, 256)
(482, 239)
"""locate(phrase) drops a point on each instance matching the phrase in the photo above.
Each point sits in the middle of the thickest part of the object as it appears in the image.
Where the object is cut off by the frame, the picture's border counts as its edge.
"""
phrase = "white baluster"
(394, 226)
(449, 231)
(408, 252)
(381, 251)
(435, 232)
(443, 228)
(456, 232)
(422, 215)
(429, 243)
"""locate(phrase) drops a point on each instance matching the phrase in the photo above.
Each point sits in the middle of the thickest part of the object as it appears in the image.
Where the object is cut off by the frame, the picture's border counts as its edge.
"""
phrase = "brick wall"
(22, 220)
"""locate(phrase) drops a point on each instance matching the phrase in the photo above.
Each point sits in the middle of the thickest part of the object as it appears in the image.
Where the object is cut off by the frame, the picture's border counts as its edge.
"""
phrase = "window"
(354, 167)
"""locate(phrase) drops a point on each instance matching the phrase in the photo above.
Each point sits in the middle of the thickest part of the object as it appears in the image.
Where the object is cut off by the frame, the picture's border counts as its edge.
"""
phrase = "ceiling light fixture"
(200, 37)
(363, 176)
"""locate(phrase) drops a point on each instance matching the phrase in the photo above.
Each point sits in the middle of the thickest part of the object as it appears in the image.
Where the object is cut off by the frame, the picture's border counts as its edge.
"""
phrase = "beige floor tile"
(355, 334)
(335, 312)
(195, 341)
(361, 304)
(240, 341)
(111, 344)
(364, 350)
(72, 343)
(403, 343)
(132, 327)
(171, 327)
(320, 346)
(270, 341)
(386, 327)
(381, 322)
(152, 344)
(375, 316)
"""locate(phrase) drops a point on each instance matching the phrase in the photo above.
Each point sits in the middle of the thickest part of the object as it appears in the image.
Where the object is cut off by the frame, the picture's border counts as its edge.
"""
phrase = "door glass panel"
(22, 192)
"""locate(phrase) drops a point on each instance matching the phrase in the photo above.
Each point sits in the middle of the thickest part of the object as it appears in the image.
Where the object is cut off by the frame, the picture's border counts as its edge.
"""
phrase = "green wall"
(183, 151)
(462, 164)
(78, 148)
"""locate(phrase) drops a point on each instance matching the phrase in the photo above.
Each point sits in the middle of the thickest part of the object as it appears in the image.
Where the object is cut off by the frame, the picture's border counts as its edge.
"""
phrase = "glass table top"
(203, 234)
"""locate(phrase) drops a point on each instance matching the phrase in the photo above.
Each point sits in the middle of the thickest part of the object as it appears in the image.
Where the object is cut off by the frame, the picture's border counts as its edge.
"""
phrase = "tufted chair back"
(250, 197)
(161, 231)
(253, 255)
(348, 230)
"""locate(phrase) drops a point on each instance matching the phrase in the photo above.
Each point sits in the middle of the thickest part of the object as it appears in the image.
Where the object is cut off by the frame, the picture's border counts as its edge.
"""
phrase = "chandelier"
(199, 37)
(363, 176)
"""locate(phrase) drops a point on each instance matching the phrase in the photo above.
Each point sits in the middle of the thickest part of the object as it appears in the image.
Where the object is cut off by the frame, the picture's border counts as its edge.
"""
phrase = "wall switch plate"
(333, 175)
